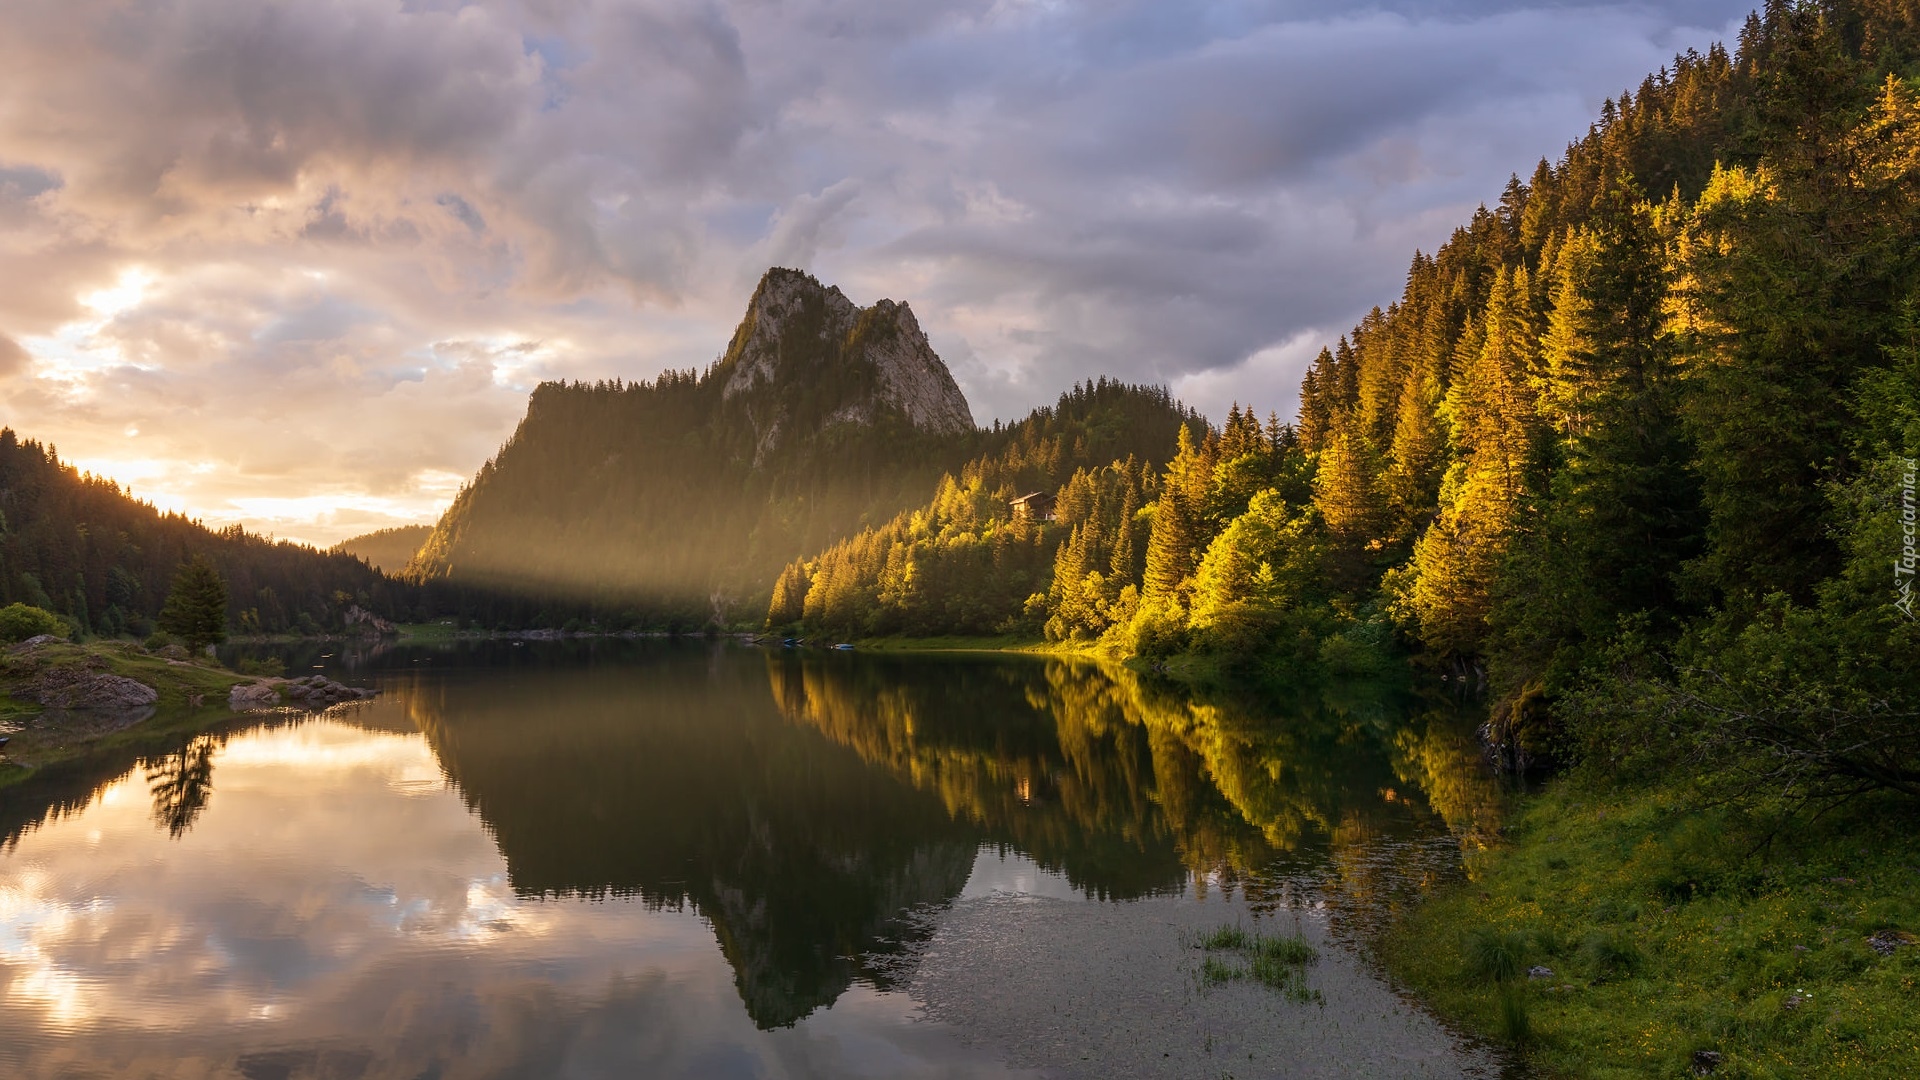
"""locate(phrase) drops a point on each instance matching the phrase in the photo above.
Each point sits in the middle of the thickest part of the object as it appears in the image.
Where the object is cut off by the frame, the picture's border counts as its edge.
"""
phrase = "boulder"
(1887, 942)
(318, 691)
(258, 695)
(78, 688)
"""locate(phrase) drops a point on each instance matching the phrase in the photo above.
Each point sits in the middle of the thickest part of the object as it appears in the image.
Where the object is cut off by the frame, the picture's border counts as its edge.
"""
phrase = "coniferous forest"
(1631, 451)
(79, 546)
(1626, 473)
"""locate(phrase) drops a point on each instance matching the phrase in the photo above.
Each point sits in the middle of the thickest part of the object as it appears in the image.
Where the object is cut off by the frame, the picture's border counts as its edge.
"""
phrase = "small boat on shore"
(843, 647)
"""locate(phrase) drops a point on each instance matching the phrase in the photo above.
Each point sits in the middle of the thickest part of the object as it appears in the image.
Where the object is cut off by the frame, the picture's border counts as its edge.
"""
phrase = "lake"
(702, 859)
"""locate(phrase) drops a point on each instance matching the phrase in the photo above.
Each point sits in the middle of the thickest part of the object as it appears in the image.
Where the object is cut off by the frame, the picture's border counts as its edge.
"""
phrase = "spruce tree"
(196, 609)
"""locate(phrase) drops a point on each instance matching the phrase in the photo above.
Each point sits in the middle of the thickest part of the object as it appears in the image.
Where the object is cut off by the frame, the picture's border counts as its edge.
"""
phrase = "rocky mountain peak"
(806, 357)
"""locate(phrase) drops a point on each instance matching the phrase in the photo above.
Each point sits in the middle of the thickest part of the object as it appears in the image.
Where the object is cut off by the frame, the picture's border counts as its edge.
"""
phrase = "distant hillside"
(80, 546)
(676, 499)
(386, 550)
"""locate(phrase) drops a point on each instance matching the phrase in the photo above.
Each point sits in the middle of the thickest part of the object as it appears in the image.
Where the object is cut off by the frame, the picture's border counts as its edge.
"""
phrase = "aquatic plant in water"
(1278, 961)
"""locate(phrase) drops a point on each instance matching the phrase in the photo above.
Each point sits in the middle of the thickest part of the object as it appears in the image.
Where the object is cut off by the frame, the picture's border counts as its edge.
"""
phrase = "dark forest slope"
(80, 546)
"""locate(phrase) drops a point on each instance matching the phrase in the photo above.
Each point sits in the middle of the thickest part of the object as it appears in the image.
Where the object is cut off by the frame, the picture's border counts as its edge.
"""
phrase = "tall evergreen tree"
(196, 608)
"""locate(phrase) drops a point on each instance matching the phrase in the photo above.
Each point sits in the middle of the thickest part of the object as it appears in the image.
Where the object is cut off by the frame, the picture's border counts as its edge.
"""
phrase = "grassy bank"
(1673, 930)
(958, 643)
(193, 693)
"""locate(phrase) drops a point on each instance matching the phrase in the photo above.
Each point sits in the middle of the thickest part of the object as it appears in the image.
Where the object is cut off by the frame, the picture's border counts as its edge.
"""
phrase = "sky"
(296, 264)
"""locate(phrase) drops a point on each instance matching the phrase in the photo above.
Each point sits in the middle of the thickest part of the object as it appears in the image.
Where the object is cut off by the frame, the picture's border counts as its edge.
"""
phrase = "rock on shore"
(313, 692)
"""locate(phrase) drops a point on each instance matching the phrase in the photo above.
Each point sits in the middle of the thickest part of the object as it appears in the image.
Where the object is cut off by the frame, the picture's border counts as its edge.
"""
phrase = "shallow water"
(659, 859)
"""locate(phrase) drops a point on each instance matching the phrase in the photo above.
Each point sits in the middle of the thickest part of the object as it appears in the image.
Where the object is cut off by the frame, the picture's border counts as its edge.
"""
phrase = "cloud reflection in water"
(326, 915)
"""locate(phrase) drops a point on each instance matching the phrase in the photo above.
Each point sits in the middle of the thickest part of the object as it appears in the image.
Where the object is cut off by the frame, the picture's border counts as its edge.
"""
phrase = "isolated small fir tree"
(196, 609)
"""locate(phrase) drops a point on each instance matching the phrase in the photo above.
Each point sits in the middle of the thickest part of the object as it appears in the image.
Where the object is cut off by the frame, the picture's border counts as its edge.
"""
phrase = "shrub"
(18, 622)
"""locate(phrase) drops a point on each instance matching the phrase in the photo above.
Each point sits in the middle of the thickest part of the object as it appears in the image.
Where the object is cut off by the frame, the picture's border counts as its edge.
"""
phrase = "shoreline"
(190, 696)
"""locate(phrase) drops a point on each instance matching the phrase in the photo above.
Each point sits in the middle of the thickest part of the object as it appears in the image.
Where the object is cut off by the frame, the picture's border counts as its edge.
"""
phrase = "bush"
(1494, 956)
(18, 622)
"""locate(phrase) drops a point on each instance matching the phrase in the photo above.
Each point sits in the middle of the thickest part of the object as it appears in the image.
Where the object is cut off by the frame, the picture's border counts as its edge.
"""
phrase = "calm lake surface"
(613, 859)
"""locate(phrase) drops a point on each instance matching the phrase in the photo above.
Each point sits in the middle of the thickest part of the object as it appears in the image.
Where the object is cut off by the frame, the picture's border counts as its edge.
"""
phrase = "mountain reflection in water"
(806, 806)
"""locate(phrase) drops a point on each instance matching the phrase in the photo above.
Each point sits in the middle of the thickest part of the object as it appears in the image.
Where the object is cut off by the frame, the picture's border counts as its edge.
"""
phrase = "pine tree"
(1343, 488)
(789, 596)
(1125, 566)
(196, 608)
(1176, 525)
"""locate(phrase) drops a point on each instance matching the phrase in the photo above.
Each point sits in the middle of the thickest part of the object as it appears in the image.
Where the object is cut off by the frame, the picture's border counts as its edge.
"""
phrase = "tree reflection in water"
(806, 804)
(1130, 786)
(181, 783)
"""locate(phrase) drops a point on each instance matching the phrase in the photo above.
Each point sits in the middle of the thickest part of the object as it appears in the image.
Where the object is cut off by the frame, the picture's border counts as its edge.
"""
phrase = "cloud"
(13, 358)
(348, 214)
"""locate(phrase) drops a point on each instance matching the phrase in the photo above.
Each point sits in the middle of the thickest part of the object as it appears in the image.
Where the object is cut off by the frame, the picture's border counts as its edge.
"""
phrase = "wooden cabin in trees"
(1037, 506)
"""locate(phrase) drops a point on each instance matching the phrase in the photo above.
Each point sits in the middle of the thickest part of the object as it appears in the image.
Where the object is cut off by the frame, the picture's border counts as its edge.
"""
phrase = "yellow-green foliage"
(1666, 937)
(19, 622)
(1266, 561)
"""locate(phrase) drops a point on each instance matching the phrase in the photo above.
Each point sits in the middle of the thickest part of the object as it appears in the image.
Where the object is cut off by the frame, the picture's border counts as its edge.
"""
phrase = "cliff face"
(805, 358)
(688, 493)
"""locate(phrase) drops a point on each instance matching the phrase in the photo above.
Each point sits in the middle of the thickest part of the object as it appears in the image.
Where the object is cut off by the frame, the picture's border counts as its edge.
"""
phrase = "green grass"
(177, 683)
(1277, 961)
(1671, 929)
(1225, 938)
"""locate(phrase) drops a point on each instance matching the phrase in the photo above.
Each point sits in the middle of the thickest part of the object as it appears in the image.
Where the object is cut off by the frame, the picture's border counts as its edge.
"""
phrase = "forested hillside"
(968, 561)
(79, 546)
(386, 550)
(1632, 444)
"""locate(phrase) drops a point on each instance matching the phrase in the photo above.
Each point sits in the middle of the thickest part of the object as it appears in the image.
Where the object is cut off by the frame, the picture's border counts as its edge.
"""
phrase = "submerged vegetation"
(1278, 961)
(1632, 457)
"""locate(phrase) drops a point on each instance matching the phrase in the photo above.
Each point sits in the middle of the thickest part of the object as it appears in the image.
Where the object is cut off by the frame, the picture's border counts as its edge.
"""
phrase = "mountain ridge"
(688, 492)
